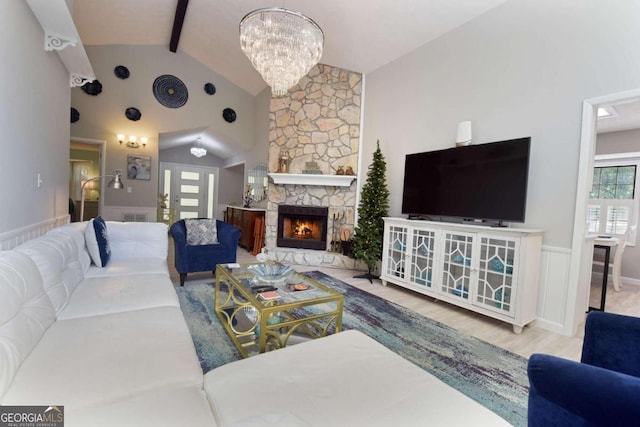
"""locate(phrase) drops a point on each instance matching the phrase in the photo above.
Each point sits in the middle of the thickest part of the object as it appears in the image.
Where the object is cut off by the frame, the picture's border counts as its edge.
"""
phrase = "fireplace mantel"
(312, 179)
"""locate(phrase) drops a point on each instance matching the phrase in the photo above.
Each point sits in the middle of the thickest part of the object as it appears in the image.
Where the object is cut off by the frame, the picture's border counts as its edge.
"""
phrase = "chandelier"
(282, 45)
(198, 151)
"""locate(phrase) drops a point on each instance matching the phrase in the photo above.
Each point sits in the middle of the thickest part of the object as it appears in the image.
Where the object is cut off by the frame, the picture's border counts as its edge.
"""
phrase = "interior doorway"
(188, 191)
(86, 161)
(582, 246)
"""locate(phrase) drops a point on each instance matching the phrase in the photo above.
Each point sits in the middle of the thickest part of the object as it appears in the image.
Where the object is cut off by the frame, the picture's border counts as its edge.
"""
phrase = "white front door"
(192, 191)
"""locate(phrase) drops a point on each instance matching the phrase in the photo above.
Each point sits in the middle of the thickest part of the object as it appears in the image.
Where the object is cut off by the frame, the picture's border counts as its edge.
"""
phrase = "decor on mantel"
(93, 88)
(132, 113)
(210, 88)
(75, 115)
(170, 91)
(311, 168)
(121, 72)
(373, 207)
(229, 115)
(282, 45)
(463, 136)
(283, 162)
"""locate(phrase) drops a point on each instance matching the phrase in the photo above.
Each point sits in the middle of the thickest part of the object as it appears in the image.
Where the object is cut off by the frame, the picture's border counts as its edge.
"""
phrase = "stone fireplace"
(317, 123)
(303, 227)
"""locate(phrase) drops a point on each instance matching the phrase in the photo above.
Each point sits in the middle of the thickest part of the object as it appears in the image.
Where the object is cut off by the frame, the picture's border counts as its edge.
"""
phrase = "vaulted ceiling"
(360, 35)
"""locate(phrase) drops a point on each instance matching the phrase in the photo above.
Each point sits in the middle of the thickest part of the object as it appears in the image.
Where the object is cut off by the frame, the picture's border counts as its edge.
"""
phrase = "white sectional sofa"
(112, 346)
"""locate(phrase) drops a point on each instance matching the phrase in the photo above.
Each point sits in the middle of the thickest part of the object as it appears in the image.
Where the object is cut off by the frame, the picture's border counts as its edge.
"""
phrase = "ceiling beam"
(181, 10)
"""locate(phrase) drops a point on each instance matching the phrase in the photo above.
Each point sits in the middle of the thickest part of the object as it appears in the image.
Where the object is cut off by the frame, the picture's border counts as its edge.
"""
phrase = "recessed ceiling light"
(606, 111)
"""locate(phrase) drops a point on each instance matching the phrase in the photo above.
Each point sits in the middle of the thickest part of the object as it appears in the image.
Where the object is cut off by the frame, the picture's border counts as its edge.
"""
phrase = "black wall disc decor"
(75, 115)
(92, 88)
(170, 91)
(133, 113)
(210, 88)
(229, 115)
(121, 72)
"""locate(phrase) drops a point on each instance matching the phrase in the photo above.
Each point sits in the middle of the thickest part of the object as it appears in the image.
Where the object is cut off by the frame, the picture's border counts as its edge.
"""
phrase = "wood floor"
(531, 340)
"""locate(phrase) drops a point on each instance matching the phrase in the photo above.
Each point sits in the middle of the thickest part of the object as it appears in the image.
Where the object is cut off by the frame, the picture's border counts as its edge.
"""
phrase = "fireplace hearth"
(303, 227)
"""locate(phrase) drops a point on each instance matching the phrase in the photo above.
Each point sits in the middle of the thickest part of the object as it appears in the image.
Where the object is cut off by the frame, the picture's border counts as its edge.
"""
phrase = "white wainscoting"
(13, 238)
(123, 213)
(554, 284)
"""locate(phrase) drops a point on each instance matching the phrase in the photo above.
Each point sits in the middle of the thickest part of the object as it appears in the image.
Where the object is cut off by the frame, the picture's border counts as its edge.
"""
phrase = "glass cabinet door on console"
(496, 272)
(422, 257)
(394, 265)
(457, 265)
(493, 271)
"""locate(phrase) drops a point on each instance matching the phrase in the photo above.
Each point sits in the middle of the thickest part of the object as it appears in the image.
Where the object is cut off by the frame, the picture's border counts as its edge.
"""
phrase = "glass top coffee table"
(265, 306)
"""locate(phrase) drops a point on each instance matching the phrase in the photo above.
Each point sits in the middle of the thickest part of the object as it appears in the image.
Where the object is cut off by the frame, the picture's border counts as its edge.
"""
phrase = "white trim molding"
(61, 35)
(552, 292)
(581, 248)
(312, 179)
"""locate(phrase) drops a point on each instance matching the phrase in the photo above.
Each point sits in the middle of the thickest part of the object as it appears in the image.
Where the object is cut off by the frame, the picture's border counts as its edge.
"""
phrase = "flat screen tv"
(475, 182)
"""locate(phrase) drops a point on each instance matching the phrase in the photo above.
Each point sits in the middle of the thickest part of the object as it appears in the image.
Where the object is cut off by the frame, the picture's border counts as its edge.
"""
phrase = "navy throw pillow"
(97, 241)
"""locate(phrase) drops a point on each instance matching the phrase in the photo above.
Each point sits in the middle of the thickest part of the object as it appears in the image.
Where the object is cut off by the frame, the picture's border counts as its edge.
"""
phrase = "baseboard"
(597, 276)
(549, 326)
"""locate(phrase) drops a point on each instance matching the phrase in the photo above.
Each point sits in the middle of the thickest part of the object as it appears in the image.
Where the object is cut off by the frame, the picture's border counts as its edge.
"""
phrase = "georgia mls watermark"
(31, 416)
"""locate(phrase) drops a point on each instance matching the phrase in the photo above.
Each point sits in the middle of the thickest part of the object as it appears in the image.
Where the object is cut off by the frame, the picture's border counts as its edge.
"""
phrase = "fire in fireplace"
(302, 227)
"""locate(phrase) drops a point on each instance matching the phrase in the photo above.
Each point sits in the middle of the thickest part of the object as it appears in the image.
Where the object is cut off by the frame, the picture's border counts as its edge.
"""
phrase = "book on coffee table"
(268, 295)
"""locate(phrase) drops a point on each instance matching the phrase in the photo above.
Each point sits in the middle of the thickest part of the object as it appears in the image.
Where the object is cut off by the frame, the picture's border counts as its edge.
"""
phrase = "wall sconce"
(133, 141)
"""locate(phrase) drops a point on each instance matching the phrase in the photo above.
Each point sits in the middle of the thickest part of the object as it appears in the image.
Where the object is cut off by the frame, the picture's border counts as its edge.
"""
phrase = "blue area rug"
(488, 374)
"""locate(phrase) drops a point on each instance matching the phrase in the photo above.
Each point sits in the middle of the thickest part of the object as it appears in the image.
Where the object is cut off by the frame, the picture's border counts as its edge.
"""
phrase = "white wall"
(521, 69)
(34, 120)
(103, 116)
(626, 141)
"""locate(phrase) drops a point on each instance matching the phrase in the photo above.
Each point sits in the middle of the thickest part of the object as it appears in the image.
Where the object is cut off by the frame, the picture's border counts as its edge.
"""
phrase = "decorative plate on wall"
(92, 88)
(210, 88)
(75, 115)
(133, 113)
(170, 91)
(121, 72)
(229, 115)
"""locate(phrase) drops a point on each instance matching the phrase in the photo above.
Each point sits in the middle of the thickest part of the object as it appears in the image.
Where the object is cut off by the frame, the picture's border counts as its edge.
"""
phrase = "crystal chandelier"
(198, 151)
(282, 45)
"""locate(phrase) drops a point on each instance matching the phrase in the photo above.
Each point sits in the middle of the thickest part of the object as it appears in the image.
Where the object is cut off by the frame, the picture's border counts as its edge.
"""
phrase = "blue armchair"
(602, 390)
(191, 259)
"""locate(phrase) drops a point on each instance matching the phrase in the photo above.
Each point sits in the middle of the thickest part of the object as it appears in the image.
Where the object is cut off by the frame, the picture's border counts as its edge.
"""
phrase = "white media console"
(490, 270)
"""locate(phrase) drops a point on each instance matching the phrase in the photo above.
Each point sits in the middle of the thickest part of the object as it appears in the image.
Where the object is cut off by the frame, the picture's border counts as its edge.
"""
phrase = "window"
(613, 200)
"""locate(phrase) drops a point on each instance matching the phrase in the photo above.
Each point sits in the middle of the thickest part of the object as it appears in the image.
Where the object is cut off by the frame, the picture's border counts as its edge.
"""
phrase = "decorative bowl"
(271, 272)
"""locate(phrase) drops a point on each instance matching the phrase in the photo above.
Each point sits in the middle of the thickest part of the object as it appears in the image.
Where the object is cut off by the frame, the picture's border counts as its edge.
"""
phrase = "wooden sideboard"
(244, 219)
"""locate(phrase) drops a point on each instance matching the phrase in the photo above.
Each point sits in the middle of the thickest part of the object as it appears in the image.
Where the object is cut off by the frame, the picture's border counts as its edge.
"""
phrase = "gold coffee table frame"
(308, 313)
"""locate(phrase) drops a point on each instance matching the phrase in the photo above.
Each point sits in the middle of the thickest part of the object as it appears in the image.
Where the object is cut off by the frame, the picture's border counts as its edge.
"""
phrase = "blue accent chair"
(602, 390)
(191, 259)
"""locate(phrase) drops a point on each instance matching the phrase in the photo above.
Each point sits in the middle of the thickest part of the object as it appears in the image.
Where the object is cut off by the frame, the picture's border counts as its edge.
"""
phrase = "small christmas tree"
(374, 205)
